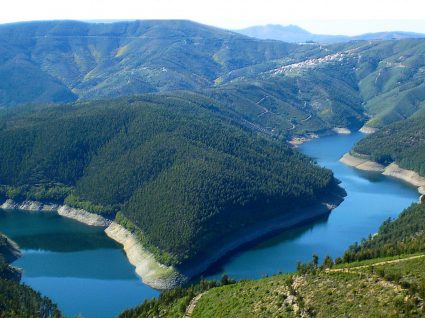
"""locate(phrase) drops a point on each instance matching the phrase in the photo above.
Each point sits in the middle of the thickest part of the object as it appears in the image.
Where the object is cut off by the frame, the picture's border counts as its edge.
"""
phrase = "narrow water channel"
(371, 199)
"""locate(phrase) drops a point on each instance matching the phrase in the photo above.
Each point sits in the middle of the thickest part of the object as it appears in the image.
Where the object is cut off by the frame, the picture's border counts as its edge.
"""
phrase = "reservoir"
(371, 199)
(83, 271)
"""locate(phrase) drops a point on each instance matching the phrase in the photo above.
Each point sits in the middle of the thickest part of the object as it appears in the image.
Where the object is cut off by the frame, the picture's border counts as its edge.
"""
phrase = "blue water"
(75, 265)
(371, 199)
(85, 272)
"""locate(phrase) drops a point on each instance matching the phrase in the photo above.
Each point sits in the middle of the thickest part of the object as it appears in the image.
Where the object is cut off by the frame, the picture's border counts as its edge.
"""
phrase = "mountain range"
(295, 34)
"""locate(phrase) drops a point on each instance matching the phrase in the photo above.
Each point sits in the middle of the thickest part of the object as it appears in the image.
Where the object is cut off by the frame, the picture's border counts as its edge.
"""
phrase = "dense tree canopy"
(186, 178)
(402, 142)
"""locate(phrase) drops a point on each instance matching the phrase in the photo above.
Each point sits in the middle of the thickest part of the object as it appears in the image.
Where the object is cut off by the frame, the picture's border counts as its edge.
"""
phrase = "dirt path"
(375, 264)
(192, 305)
(307, 118)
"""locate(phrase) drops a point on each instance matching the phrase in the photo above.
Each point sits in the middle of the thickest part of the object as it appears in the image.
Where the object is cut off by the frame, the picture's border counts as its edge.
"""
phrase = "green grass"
(357, 293)
(264, 298)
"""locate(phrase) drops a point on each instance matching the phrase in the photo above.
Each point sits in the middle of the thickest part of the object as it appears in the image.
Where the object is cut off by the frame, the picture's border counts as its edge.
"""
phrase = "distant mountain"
(295, 34)
(61, 61)
(289, 33)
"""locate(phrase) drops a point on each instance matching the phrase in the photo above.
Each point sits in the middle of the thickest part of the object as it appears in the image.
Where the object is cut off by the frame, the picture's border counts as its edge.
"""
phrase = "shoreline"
(150, 271)
(298, 140)
(247, 236)
(160, 276)
(392, 170)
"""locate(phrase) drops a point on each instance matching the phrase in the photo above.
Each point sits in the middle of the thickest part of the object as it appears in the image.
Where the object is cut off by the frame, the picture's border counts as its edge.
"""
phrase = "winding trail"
(192, 305)
(265, 110)
(348, 269)
(307, 118)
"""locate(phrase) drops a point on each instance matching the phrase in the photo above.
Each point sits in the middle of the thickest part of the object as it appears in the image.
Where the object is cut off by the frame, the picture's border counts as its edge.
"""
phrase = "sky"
(318, 16)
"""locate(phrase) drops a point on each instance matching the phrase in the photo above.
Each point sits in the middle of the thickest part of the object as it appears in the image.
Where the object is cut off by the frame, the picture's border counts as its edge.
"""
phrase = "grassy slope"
(393, 290)
(334, 294)
(374, 287)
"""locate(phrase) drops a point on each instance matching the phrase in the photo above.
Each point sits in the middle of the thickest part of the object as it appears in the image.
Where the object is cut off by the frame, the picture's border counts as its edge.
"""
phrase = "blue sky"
(318, 16)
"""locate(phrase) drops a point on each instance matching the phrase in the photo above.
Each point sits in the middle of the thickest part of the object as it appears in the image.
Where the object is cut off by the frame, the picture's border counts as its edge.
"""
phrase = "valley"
(176, 140)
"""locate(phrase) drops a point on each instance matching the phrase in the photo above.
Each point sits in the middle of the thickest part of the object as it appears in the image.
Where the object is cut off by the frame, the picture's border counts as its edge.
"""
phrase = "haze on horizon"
(317, 16)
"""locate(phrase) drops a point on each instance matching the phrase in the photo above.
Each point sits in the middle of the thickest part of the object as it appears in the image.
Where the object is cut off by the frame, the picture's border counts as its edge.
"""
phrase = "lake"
(83, 271)
(371, 199)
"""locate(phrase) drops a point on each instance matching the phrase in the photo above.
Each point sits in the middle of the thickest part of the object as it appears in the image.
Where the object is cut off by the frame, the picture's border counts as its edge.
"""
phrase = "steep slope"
(184, 177)
(62, 61)
(404, 235)
(391, 80)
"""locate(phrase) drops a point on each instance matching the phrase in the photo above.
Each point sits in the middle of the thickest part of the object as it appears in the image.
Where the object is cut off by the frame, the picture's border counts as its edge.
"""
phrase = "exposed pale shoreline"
(368, 130)
(158, 275)
(392, 170)
(150, 271)
(300, 139)
(341, 130)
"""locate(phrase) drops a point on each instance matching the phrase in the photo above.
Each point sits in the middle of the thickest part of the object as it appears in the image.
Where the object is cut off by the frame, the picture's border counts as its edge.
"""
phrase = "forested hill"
(182, 175)
(402, 142)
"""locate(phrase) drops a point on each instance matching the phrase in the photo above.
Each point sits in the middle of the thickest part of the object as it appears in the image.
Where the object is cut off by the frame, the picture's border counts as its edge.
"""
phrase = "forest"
(183, 176)
(402, 142)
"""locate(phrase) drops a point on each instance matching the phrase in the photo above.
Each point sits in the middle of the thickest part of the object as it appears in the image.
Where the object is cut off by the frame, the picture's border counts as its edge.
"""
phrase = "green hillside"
(402, 142)
(404, 235)
(330, 85)
(392, 80)
(60, 61)
(376, 287)
(183, 176)
(382, 78)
